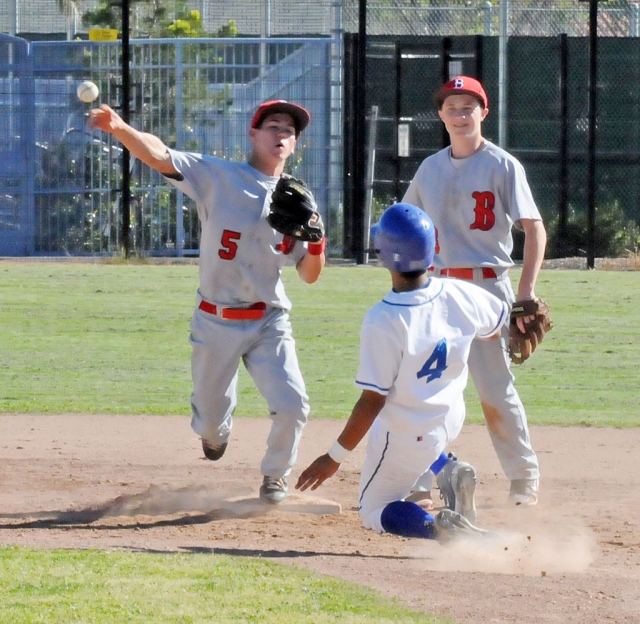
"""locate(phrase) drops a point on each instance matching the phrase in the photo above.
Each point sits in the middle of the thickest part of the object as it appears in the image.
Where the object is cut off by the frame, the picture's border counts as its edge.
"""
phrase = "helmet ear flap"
(404, 238)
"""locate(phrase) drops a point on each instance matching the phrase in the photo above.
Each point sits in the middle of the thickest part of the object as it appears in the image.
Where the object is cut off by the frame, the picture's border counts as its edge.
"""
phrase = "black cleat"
(213, 451)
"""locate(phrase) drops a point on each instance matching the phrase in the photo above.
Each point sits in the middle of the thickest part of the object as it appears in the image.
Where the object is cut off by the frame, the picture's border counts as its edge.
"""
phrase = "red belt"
(487, 273)
(251, 313)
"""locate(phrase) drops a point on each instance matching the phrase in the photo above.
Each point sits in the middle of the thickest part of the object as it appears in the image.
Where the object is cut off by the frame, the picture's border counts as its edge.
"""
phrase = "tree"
(155, 19)
(158, 88)
(70, 8)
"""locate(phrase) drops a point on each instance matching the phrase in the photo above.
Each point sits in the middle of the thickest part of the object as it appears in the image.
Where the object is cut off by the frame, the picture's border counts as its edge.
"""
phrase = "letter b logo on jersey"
(485, 216)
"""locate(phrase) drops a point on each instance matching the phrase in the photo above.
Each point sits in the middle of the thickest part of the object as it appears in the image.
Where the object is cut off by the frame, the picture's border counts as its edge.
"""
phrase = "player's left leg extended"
(216, 352)
(273, 365)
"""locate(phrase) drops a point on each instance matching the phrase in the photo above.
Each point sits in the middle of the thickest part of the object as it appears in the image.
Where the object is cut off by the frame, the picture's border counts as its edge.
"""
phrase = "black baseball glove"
(293, 211)
(521, 346)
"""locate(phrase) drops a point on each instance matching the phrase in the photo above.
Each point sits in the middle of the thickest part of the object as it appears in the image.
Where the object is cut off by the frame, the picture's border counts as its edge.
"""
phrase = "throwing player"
(242, 311)
(475, 193)
(414, 346)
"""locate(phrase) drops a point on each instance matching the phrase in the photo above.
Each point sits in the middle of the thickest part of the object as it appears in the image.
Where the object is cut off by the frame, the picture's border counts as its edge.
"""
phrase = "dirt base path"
(76, 481)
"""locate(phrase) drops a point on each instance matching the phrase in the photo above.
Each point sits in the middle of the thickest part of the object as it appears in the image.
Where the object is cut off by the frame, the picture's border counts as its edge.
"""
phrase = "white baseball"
(88, 91)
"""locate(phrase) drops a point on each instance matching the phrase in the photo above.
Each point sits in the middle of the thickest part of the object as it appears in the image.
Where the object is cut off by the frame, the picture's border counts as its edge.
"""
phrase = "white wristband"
(338, 453)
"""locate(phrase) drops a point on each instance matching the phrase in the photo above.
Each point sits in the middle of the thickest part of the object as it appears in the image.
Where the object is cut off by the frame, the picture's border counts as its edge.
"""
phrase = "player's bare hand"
(105, 119)
(523, 321)
(317, 473)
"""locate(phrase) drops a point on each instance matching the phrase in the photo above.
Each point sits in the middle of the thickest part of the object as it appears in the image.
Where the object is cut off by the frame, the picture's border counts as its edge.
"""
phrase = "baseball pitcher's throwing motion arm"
(146, 147)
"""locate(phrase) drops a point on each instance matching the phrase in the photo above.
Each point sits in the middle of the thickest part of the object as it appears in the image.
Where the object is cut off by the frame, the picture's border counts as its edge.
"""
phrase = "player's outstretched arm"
(146, 147)
(317, 473)
(362, 416)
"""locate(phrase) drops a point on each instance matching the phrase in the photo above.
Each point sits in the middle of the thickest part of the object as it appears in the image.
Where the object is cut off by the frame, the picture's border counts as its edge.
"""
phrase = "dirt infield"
(141, 483)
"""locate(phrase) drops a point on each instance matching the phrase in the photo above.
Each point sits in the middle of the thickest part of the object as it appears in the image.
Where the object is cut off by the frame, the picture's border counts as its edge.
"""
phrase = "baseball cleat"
(524, 492)
(457, 483)
(273, 491)
(213, 451)
(449, 525)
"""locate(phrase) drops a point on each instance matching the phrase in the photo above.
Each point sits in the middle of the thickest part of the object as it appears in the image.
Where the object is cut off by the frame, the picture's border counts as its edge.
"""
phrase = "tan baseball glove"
(521, 346)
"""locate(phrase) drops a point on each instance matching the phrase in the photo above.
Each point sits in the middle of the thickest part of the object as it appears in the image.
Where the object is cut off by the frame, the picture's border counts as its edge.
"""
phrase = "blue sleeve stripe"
(368, 386)
(505, 311)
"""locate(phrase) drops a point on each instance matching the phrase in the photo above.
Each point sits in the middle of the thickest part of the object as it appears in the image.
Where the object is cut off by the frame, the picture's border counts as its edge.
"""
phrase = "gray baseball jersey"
(240, 262)
(473, 203)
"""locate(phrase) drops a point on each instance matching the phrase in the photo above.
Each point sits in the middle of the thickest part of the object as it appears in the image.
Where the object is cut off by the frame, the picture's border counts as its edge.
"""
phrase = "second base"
(301, 503)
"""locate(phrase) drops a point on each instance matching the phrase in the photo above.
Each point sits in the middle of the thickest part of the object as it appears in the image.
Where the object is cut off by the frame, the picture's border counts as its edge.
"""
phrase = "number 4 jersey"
(414, 348)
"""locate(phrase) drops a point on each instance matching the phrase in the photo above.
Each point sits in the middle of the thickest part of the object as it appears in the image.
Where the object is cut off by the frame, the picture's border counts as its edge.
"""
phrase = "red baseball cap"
(300, 115)
(458, 85)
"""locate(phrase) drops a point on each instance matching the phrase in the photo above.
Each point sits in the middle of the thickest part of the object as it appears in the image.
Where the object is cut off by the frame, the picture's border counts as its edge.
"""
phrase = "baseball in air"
(88, 91)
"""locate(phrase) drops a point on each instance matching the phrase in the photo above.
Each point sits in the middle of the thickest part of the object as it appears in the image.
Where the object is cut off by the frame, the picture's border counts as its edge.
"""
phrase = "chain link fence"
(534, 62)
(63, 19)
(61, 183)
(531, 18)
(66, 19)
(532, 56)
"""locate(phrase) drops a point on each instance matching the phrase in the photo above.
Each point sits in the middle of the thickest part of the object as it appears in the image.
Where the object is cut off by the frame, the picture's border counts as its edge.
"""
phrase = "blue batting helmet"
(404, 238)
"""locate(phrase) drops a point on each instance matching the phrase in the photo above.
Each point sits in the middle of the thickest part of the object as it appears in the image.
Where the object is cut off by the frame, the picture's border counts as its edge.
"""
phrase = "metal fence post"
(13, 18)
(503, 73)
(360, 121)
(593, 118)
(563, 148)
(487, 18)
(126, 116)
(336, 81)
(634, 19)
(27, 79)
(179, 121)
(370, 174)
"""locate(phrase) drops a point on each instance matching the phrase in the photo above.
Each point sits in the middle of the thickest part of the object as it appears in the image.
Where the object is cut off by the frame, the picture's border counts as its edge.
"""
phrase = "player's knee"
(293, 417)
(295, 407)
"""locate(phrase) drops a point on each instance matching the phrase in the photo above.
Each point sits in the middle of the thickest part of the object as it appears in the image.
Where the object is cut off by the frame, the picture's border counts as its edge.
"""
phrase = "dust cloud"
(160, 501)
(540, 551)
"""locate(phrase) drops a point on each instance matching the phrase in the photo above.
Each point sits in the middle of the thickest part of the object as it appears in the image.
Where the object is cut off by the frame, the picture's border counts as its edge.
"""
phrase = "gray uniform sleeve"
(520, 199)
(197, 178)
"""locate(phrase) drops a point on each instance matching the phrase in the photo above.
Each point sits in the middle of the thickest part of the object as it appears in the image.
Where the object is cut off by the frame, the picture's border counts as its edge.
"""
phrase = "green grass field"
(111, 587)
(113, 338)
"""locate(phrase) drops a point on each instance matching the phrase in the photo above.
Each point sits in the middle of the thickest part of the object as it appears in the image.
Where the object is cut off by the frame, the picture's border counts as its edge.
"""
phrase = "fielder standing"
(475, 192)
(414, 346)
(242, 311)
